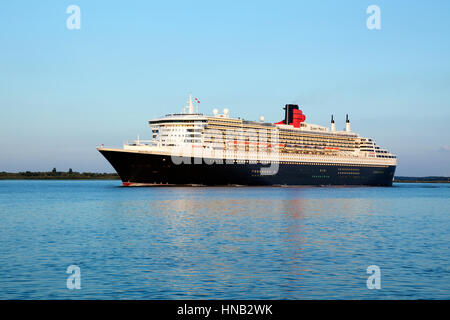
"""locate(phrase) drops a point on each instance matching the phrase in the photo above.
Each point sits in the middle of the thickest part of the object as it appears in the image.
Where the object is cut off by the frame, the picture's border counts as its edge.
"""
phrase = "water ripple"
(223, 243)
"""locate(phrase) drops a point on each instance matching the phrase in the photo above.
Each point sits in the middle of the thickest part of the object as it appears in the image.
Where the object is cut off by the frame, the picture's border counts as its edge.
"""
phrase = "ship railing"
(141, 143)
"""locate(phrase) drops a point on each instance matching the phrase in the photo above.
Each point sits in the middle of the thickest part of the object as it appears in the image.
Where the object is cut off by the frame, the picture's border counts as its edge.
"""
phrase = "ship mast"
(191, 105)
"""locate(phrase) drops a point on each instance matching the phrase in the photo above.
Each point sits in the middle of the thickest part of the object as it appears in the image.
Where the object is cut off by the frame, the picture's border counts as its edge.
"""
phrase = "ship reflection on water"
(274, 242)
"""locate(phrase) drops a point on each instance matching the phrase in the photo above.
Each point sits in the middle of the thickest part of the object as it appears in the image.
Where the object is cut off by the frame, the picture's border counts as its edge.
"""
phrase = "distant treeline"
(58, 175)
(422, 179)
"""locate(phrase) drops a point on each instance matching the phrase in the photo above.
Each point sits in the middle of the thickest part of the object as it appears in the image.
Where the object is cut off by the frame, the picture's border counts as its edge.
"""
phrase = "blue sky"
(63, 92)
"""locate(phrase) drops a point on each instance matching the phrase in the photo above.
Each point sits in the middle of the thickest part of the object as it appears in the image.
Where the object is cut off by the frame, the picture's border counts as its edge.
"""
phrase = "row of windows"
(291, 141)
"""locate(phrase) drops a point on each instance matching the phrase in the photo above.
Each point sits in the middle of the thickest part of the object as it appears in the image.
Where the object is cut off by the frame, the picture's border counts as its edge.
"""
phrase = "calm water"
(223, 243)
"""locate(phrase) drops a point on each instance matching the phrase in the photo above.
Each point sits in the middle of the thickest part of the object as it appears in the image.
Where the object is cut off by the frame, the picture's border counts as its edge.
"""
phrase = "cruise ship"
(192, 148)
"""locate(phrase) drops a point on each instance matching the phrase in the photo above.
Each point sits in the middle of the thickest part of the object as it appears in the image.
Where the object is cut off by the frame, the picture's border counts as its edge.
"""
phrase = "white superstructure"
(222, 136)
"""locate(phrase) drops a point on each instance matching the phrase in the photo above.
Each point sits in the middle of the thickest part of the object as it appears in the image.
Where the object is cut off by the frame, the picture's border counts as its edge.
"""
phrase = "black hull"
(153, 169)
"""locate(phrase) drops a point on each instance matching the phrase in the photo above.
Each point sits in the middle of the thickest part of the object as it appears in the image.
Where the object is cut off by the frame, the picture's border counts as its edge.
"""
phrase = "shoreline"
(72, 175)
(58, 175)
(117, 178)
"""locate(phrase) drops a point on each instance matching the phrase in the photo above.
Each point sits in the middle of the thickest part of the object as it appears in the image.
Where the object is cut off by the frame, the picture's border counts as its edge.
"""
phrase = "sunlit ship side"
(191, 148)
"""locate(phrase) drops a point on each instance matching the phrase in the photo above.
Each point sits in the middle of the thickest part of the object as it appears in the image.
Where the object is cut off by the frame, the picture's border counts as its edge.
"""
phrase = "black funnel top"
(289, 114)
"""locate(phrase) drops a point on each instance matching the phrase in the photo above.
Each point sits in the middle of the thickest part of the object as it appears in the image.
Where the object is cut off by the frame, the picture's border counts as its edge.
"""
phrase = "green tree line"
(55, 175)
